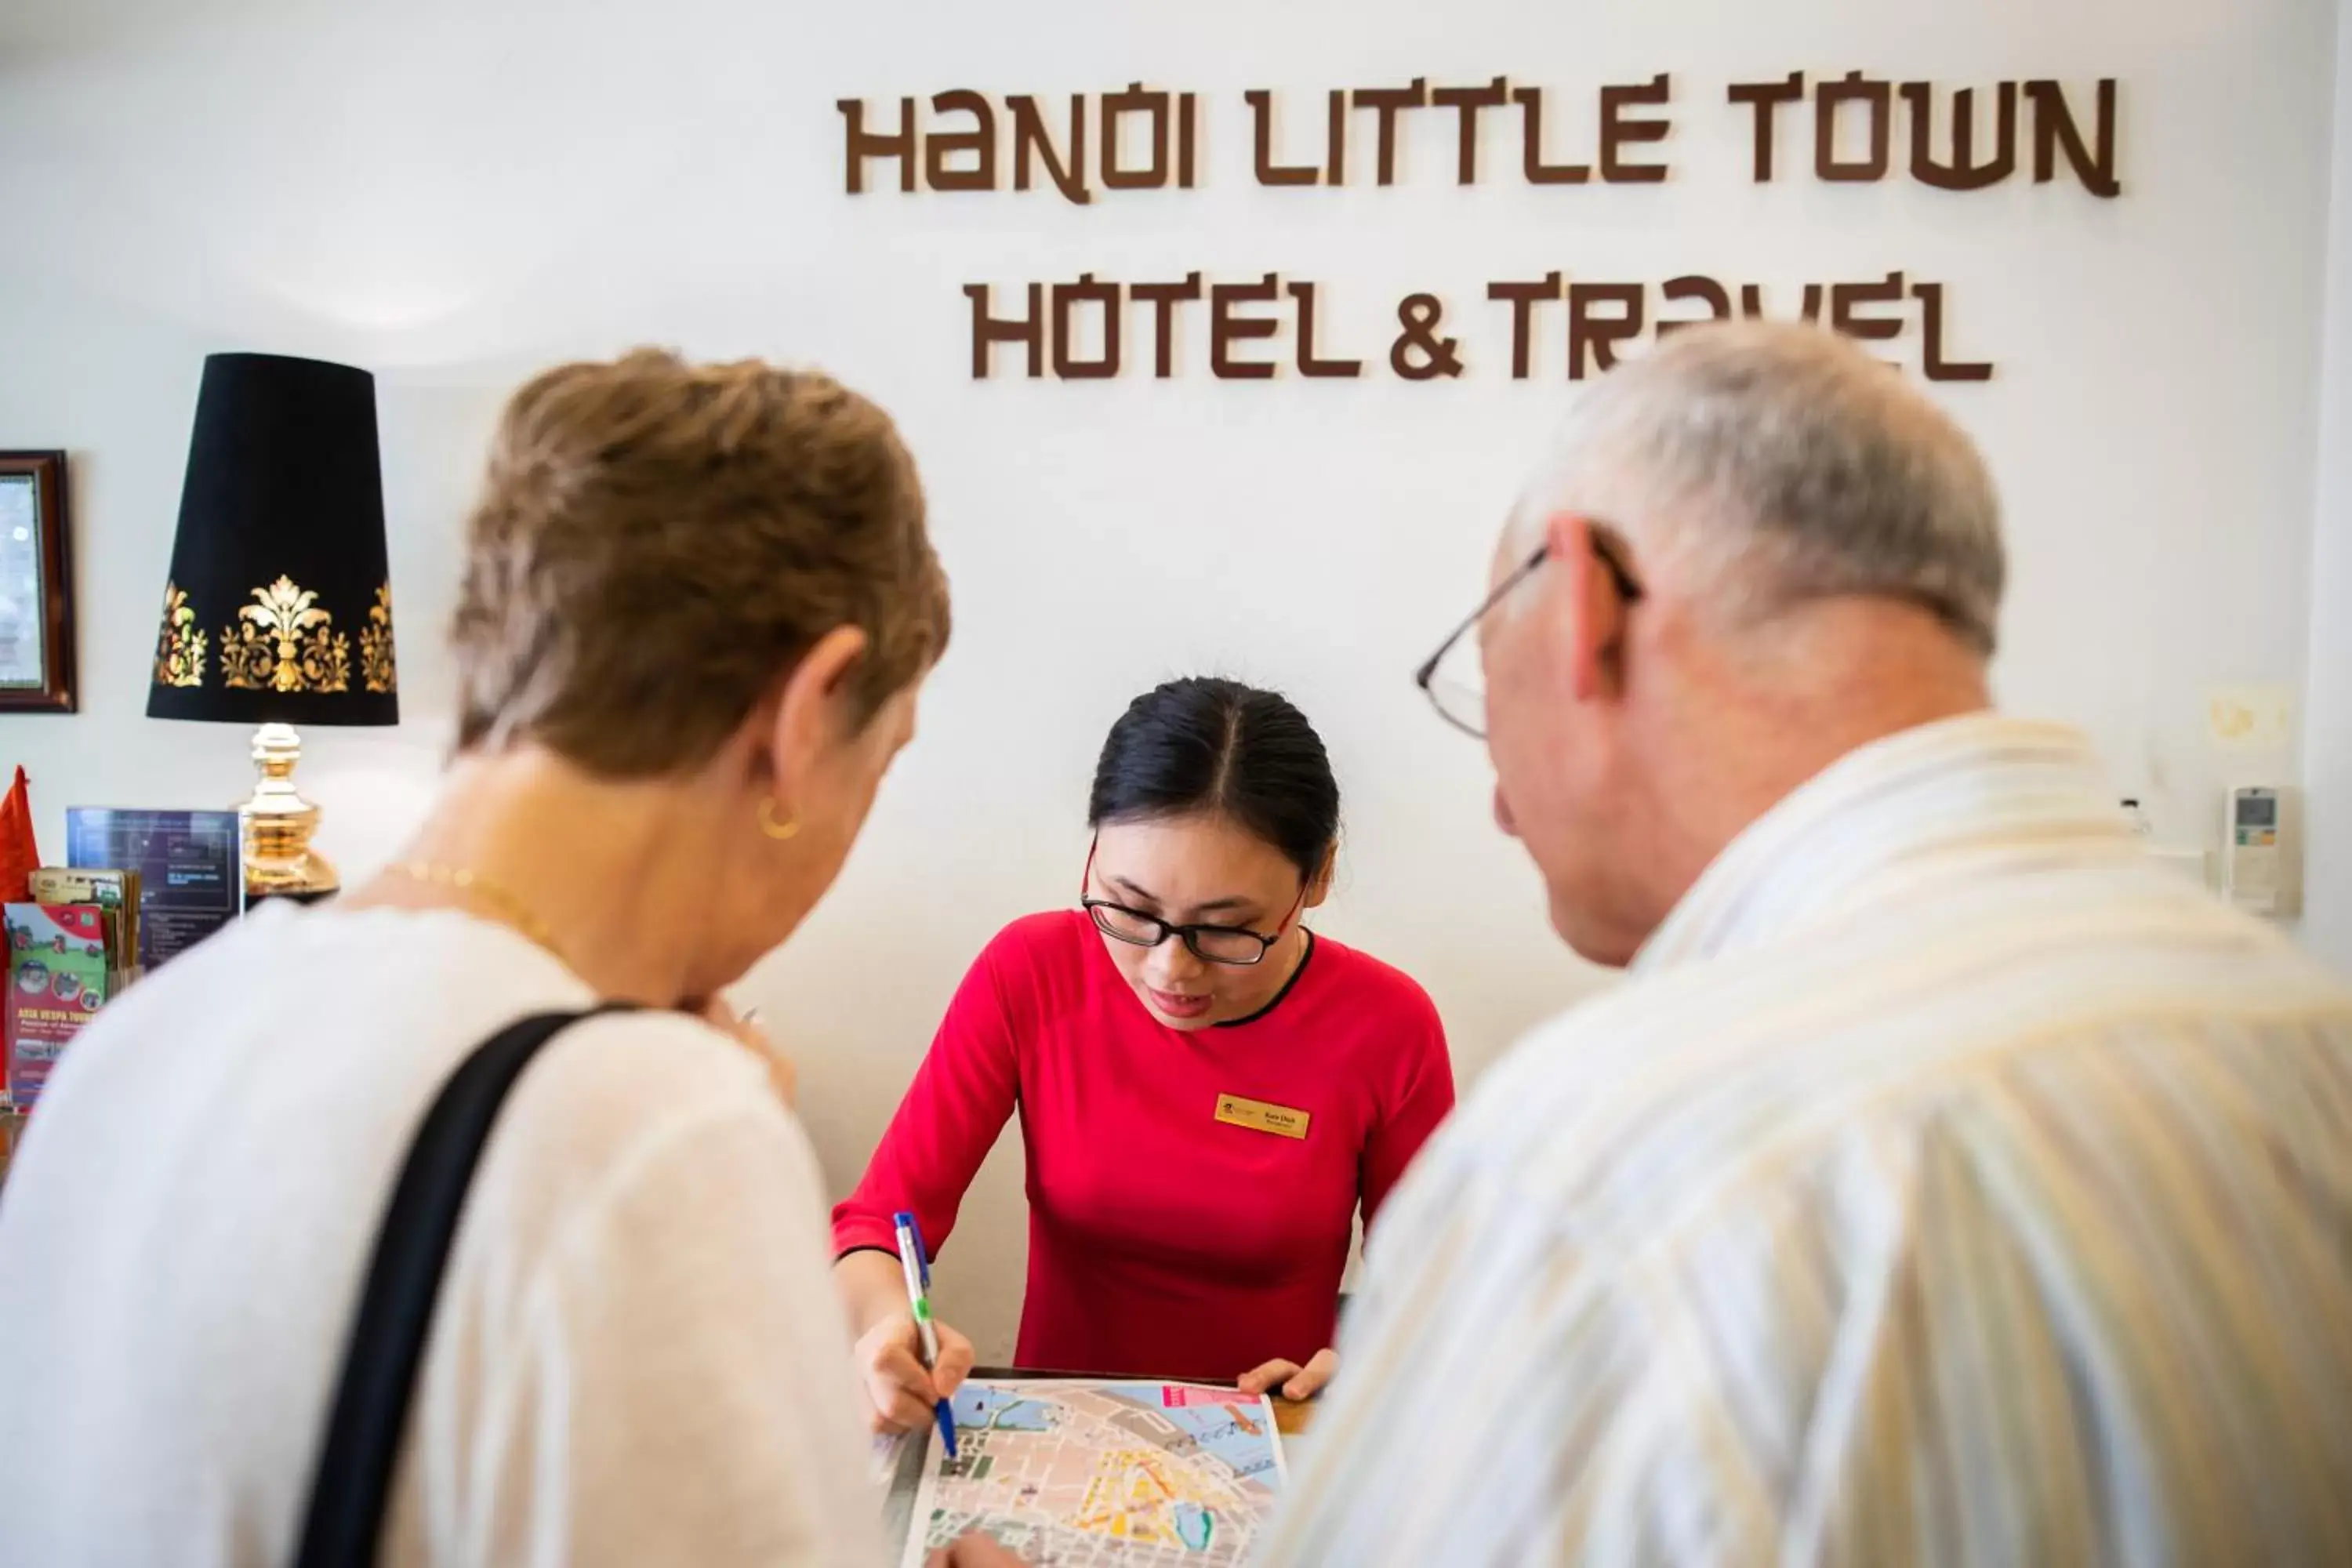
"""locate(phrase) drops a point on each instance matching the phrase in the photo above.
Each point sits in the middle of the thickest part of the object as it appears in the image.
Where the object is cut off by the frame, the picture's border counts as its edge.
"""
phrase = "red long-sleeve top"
(1163, 1241)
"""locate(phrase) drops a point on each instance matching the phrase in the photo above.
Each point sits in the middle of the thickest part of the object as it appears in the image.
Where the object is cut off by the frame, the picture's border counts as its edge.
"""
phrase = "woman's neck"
(603, 870)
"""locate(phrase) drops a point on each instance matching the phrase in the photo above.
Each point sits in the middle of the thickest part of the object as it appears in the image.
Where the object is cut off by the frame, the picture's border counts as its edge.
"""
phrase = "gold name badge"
(1278, 1119)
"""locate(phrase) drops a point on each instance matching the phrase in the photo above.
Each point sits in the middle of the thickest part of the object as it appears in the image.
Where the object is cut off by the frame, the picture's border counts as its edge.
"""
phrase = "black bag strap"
(370, 1414)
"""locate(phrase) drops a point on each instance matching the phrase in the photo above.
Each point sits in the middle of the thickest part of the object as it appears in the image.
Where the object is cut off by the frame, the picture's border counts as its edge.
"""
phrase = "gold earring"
(770, 826)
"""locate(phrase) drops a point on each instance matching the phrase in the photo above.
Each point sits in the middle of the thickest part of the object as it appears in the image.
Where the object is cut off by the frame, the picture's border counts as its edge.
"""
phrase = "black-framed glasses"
(1463, 705)
(1235, 945)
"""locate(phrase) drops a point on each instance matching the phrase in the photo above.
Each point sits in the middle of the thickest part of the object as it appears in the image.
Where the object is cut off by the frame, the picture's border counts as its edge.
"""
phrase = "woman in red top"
(1208, 1091)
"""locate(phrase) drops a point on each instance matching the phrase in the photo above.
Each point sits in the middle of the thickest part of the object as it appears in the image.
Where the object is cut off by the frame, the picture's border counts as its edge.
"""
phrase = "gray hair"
(1768, 464)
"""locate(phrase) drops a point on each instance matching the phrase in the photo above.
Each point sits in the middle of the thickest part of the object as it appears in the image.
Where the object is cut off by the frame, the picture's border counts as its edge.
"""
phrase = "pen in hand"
(917, 1266)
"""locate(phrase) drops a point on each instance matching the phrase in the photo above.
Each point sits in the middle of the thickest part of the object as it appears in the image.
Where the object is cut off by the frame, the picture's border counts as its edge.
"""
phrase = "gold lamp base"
(278, 824)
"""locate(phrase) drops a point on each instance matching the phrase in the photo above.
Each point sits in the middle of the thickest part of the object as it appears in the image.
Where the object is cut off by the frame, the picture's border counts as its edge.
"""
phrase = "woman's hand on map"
(1289, 1379)
(973, 1551)
(891, 1367)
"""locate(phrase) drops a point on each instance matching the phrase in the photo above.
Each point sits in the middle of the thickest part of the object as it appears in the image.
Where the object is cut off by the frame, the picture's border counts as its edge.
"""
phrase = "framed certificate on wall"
(36, 628)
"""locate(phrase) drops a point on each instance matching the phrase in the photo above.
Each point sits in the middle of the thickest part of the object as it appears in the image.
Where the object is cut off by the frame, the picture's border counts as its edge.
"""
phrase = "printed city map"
(1103, 1475)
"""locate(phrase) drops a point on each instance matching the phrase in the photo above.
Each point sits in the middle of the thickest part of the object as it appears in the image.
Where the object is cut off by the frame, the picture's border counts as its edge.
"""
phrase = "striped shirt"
(1947, 1184)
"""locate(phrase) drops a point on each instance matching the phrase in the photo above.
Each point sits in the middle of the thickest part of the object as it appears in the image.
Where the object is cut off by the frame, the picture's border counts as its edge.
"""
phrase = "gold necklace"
(466, 880)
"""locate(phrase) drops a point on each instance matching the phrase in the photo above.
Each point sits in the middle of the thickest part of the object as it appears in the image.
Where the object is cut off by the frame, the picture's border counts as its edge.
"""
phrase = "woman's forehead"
(1194, 857)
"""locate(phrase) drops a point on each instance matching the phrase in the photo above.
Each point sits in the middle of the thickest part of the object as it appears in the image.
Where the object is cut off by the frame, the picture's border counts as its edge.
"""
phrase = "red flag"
(19, 856)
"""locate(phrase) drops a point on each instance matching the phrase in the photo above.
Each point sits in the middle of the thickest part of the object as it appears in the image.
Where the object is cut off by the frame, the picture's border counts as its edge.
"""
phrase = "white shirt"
(638, 1356)
(1946, 1185)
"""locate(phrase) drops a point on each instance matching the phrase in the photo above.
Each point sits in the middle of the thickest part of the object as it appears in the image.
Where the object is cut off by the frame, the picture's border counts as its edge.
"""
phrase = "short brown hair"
(656, 541)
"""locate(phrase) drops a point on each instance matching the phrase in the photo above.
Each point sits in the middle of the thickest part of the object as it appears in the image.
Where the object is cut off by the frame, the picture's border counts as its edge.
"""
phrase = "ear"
(1319, 886)
(1586, 609)
(806, 715)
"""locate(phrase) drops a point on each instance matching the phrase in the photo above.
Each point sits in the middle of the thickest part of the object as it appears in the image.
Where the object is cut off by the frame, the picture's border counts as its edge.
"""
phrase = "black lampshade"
(278, 607)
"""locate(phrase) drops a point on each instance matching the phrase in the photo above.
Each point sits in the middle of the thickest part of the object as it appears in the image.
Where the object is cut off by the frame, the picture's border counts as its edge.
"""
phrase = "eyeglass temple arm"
(1519, 574)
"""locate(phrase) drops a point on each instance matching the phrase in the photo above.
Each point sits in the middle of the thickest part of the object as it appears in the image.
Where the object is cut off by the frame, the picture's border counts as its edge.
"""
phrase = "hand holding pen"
(915, 1259)
(900, 1391)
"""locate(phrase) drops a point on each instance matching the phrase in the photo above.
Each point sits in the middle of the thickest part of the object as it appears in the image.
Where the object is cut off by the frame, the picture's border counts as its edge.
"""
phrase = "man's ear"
(1589, 614)
(804, 712)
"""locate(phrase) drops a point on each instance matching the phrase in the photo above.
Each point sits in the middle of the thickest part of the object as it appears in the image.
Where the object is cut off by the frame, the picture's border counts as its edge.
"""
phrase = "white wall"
(455, 194)
(2327, 731)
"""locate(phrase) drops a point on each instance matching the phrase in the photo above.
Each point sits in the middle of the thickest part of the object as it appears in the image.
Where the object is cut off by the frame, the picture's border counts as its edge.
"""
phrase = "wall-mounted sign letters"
(1146, 139)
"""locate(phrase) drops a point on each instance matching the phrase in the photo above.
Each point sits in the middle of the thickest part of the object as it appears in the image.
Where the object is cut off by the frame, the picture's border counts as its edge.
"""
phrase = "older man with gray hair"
(1946, 1183)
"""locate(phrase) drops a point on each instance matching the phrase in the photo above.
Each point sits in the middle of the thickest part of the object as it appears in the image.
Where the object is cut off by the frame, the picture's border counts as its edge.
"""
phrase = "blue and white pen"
(916, 1263)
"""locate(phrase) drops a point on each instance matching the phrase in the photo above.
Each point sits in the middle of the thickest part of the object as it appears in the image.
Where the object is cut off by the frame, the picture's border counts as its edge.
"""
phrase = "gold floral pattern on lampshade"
(180, 650)
(378, 669)
(284, 642)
